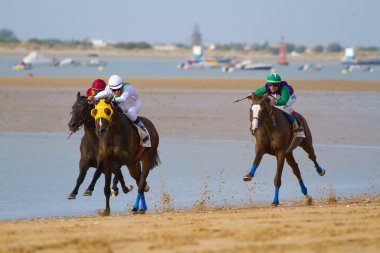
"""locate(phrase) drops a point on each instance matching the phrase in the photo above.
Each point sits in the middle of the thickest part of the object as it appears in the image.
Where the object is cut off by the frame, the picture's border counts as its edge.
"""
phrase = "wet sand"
(201, 108)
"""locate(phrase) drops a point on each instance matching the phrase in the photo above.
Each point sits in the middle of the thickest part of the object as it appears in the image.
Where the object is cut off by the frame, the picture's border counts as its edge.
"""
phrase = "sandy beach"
(202, 108)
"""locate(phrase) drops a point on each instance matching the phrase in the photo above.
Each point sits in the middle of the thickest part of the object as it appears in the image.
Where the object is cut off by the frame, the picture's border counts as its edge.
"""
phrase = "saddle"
(290, 117)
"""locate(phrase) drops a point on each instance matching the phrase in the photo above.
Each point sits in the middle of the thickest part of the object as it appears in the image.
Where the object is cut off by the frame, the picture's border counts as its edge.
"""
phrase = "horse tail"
(155, 161)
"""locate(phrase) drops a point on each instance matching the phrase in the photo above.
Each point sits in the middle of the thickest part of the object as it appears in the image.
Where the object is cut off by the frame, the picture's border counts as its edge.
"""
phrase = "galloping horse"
(89, 148)
(119, 143)
(274, 136)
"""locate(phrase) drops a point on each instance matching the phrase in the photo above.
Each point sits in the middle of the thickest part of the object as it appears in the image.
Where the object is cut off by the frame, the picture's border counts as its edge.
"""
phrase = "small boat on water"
(256, 66)
(34, 58)
(310, 66)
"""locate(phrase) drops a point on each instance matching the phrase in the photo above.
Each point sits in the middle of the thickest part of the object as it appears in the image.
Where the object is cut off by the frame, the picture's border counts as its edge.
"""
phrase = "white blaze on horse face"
(255, 111)
(100, 123)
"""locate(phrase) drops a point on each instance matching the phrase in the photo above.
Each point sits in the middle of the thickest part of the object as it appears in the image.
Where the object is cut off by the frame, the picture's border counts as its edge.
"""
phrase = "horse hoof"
(323, 172)
(147, 188)
(308, 200)
(248, 177)
(114, 193)
(102, 212)
(141, 211)
(275, 204)
(87, 193)
(134, 211)
(129, 188)
(72, 196)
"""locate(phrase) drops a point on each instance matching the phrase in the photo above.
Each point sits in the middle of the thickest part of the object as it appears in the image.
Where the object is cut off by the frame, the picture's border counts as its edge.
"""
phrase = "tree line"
(8, 36)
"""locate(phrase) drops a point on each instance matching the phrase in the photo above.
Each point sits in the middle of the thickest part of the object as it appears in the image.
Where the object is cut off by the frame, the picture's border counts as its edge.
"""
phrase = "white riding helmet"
(115, 82)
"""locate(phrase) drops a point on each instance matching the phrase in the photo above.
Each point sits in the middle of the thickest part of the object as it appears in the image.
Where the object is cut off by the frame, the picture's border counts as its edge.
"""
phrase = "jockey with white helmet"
(125, 95)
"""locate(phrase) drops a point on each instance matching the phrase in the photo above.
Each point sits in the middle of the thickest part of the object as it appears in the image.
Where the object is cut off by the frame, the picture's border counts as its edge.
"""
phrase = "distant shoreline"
(175, 54)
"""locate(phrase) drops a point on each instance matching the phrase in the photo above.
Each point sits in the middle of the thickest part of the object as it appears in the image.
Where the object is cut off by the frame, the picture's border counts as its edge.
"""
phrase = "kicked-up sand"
(338, 112)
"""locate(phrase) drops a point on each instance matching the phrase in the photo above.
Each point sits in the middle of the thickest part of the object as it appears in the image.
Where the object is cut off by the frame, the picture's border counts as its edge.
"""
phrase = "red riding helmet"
(97, 85)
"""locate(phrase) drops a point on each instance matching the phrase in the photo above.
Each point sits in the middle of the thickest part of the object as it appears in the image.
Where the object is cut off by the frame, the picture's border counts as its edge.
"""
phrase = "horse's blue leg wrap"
(143, 203)
(253, 169)
(137, 202)
(303, 187)
(318, 168)
(275, 200)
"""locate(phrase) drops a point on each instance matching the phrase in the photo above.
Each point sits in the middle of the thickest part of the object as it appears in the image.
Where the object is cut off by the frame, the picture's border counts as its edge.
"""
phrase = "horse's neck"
(89, 126)
(273, 120)
(121, 121)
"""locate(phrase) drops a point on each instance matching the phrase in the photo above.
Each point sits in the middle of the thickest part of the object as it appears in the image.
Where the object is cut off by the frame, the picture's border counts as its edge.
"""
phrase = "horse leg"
(256, 163)
(135, 172)
(114, 189)
(142, 183)
(277, 179)
(309, 149)
(83, 168)
(107, 190)
(296, 171)
(95, 178)
(119, 177)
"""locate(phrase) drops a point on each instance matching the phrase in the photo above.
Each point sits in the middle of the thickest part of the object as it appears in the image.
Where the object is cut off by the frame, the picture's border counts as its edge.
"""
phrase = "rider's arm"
(260, 91)
(285, 94)
(106, 93)
(123, 97)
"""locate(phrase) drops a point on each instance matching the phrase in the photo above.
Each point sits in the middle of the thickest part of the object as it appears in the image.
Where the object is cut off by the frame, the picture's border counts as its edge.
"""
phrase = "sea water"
(168, 68)
(39, 171)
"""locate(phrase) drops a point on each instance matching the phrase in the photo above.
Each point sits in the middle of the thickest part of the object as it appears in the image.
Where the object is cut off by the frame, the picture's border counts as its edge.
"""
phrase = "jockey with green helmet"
(125, 95)
(282, 94)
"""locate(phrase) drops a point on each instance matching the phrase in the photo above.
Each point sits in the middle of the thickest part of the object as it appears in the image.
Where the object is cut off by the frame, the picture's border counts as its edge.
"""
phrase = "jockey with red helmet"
(97, 86)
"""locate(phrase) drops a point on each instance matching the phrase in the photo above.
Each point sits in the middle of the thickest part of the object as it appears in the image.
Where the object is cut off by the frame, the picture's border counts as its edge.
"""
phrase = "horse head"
(103, 115)
(260, 108)
(80, 113)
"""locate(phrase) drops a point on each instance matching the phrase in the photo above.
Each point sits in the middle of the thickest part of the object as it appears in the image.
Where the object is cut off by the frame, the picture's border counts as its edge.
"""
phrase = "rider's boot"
(143, 132)
(298, 129)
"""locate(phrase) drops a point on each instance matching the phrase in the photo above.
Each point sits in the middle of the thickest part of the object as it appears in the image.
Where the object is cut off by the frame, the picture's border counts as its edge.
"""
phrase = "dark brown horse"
(119, 143)
(89, 148)
(274, 135)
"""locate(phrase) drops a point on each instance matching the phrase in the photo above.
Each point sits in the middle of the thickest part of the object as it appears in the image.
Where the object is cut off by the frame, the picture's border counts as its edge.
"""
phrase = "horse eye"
(107, 111)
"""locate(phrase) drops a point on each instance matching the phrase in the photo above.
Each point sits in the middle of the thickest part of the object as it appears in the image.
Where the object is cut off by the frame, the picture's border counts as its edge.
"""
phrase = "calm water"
(38, 171)
(168, 68)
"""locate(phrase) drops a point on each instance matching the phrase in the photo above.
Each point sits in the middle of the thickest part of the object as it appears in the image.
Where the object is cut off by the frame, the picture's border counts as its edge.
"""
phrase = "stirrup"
(146, 142)
(299, 133)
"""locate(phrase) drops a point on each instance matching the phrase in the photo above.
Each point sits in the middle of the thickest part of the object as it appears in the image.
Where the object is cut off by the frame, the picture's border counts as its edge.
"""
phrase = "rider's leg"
(143, 132)
(297, 127)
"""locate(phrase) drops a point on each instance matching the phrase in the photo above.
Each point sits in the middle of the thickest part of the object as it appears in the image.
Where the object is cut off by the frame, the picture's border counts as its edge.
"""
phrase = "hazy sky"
(307, 22)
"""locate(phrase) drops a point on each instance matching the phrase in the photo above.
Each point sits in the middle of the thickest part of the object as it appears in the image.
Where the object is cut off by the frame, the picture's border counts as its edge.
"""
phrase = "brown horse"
(89, 148)
(274, 136)
(119, 143)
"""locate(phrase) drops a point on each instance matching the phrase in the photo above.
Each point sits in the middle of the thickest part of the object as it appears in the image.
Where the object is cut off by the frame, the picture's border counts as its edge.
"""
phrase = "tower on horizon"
(282, 57)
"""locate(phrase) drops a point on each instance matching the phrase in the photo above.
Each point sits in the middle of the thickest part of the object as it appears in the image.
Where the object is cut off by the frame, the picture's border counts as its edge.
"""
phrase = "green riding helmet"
(273, 78)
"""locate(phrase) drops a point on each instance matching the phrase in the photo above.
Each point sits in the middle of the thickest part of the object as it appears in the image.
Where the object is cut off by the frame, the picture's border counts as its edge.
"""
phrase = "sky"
(301, 22)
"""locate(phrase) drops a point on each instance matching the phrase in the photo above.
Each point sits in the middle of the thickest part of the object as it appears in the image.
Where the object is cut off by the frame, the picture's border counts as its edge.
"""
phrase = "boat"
(34, 58)
(350, 58)
(69, 62)
(22, 66)
(199, 60)
(310, 66)
(256, 66)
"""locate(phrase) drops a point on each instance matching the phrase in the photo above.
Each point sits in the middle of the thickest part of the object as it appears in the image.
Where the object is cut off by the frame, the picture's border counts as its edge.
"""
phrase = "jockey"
(97, 86)
(283, 95)
(125, 95)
